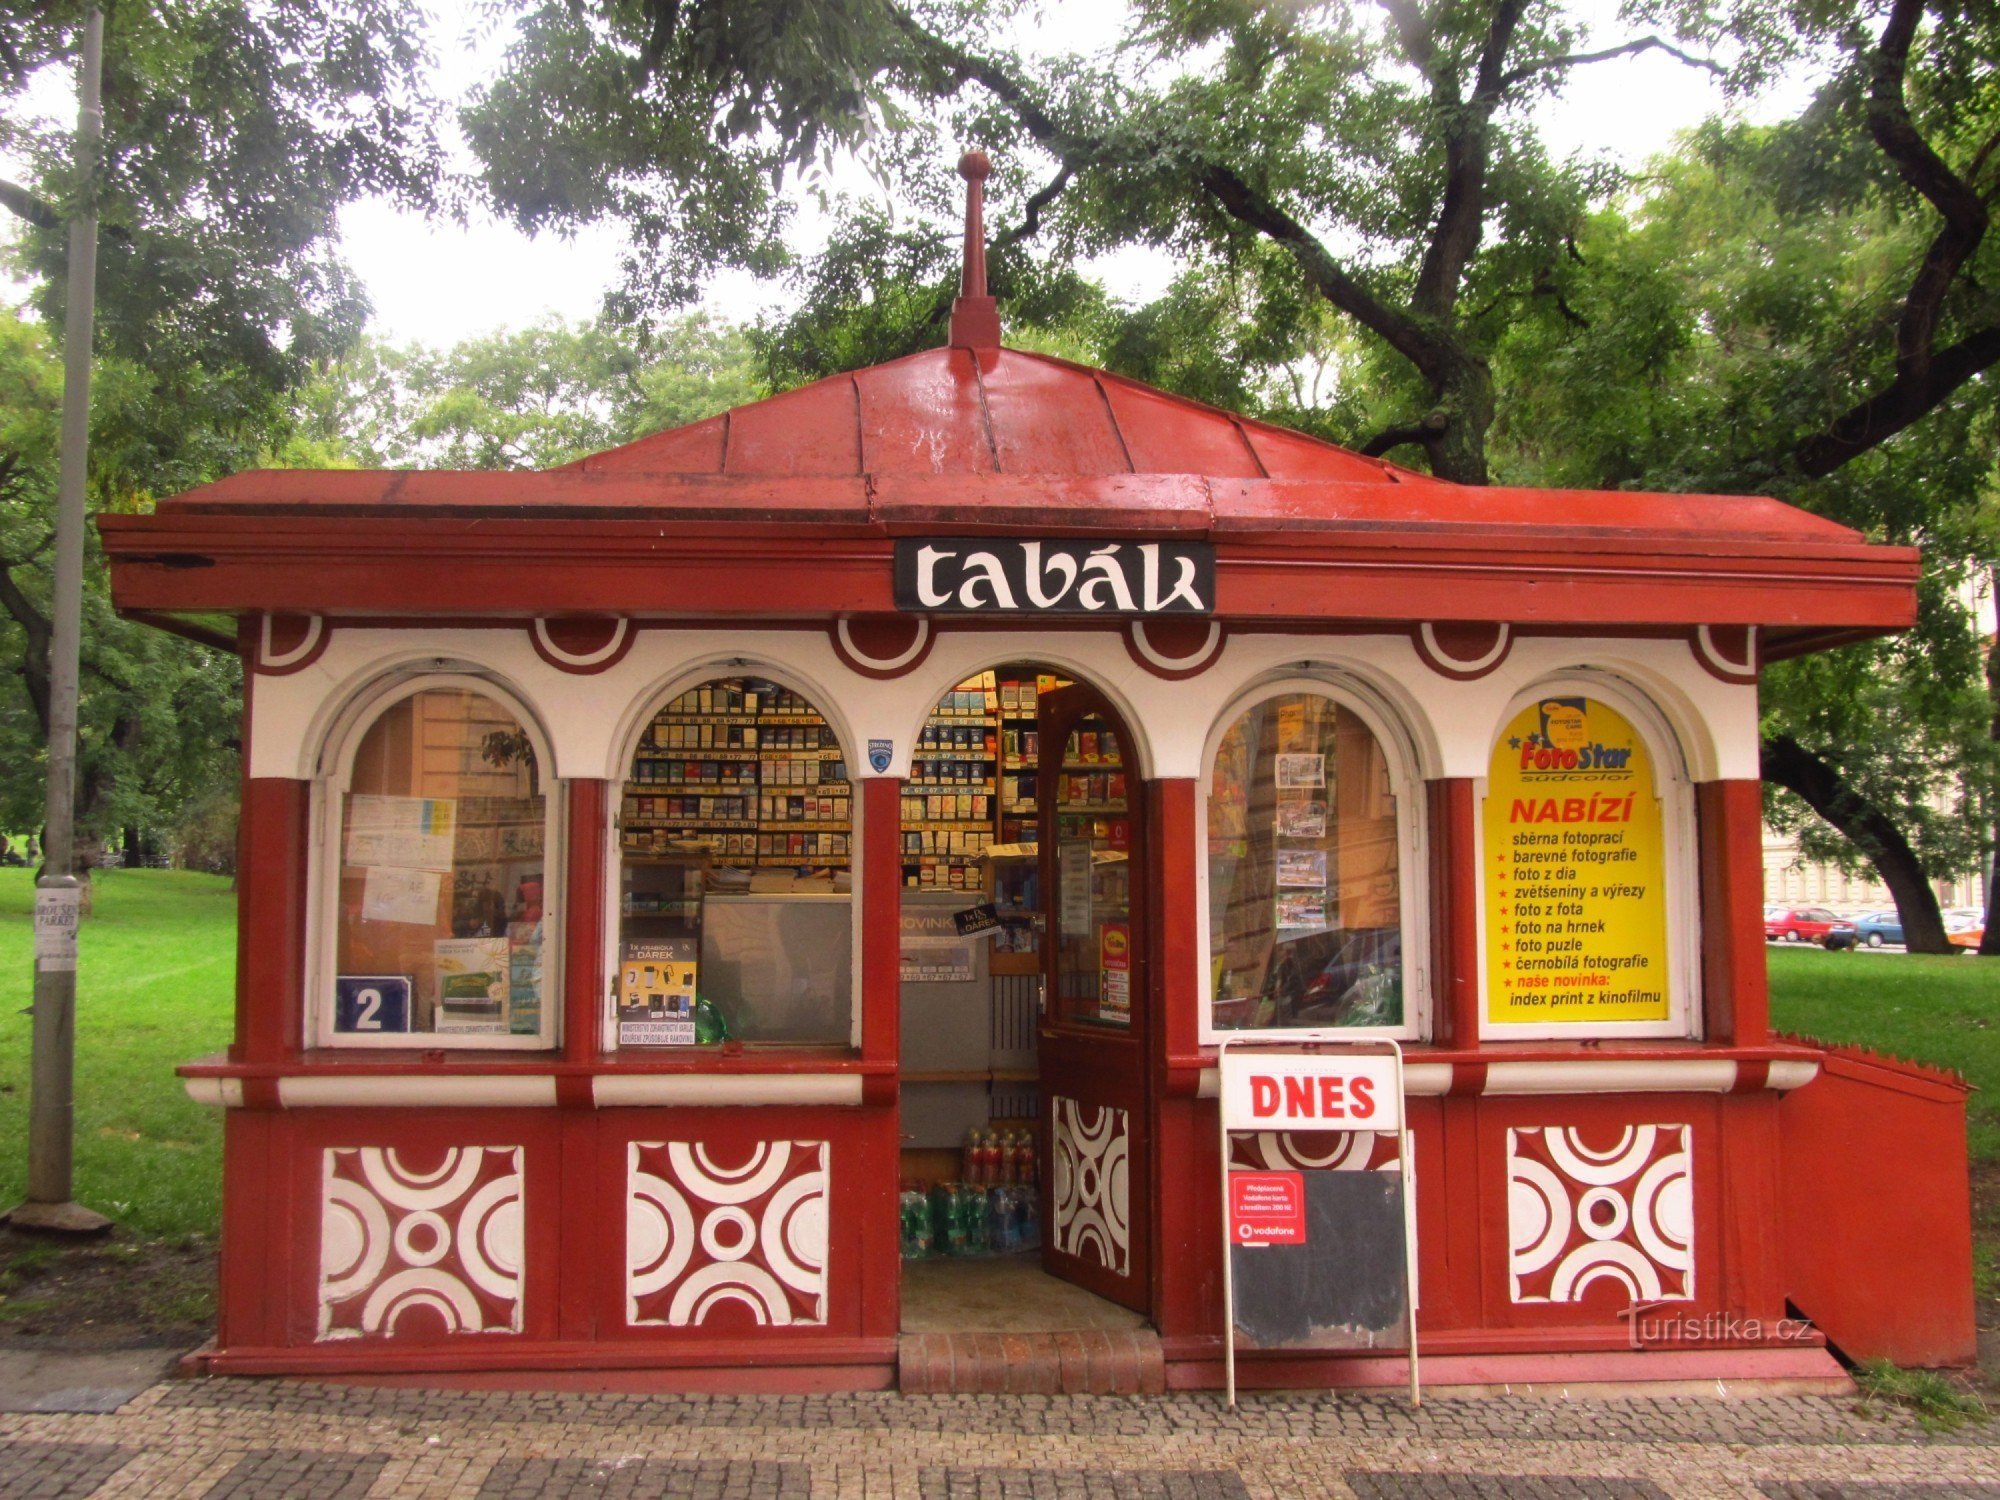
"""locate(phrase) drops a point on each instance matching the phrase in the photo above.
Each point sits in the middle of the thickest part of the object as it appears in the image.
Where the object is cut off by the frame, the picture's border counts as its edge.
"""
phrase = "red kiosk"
(604, 828)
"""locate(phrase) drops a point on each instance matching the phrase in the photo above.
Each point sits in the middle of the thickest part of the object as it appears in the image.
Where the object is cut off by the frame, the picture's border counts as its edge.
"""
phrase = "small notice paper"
(389, 894)
(413, 833)
(55, 928)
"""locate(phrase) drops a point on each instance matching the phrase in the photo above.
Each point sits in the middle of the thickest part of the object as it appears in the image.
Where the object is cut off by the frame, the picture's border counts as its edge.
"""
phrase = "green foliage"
(533, 399)
(155, 987)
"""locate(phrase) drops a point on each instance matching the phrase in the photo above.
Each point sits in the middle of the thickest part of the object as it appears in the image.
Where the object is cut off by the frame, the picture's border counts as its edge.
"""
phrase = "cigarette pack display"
(472, 982)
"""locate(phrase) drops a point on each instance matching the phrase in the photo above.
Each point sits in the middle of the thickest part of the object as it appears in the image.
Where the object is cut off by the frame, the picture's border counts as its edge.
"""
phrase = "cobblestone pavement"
(302, 1442)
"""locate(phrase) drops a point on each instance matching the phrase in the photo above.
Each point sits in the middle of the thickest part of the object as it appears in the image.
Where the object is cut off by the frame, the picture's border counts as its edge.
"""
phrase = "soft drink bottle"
(972, 1208)
(973, 1156)
(947, 1229)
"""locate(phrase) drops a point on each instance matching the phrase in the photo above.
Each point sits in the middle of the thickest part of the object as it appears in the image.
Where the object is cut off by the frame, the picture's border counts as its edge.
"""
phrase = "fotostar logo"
(1592, 757)
(983, 576)
(1648, 1327)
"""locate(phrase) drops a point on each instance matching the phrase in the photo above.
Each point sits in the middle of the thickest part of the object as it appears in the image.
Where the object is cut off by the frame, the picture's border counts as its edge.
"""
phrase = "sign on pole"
(1316, 1258)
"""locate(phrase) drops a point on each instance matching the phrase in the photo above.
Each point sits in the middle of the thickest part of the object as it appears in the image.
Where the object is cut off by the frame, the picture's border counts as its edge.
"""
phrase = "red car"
(1798, 924)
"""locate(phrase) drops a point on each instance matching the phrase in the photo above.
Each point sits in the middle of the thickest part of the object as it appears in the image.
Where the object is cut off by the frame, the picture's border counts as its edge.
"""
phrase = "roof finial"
(975, 317)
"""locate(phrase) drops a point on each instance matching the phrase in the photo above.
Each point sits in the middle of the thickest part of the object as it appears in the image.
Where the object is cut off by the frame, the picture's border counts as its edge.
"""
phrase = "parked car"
(1964, 928)
(1798, 924)
(1879, 927)
(1840, 935)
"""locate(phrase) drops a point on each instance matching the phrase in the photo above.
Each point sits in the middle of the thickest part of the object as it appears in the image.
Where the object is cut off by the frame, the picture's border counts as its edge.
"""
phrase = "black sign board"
(984, 575)
(1344, 1285)
(982, 918)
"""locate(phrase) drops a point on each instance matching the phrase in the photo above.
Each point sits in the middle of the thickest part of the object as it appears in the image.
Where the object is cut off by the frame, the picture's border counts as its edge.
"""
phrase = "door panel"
(1094, 1022)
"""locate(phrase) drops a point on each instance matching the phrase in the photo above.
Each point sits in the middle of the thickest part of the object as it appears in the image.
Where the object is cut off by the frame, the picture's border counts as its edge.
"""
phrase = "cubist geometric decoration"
(419, 1250)
(1092, 1150)
(1620, 1211)
(704, 1230)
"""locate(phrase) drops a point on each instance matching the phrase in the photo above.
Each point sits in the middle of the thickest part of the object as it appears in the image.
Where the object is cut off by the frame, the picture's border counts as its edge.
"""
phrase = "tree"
(536, 398)
(1380, 164)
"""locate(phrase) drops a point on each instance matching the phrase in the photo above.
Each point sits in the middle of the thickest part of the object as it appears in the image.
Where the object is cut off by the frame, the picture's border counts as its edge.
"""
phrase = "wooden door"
(1096, 1207)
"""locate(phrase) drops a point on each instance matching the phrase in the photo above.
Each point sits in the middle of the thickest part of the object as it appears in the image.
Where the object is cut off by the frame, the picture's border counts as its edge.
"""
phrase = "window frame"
(331, 783)
(1678, 832)
(1412, 854)
(649, 706)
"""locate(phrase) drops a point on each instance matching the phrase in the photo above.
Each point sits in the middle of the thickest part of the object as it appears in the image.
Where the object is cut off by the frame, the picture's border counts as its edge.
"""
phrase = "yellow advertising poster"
(1575, 870)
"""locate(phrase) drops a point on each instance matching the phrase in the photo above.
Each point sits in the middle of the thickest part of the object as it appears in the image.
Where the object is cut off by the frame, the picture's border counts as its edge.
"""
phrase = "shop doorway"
(1024, 1193)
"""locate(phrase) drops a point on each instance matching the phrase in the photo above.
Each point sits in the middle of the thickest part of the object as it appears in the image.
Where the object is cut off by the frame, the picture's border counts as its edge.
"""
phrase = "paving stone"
(535, 1478)
(1080, 1484)
(292, 1474)
(46, 1471)
(1383, 1484)
(1794, 1489)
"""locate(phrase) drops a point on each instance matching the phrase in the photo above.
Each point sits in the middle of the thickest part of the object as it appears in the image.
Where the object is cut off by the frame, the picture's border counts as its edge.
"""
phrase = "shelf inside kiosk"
(736, 906)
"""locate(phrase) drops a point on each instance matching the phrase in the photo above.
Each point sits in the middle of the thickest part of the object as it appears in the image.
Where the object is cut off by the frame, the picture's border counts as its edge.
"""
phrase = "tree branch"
(1920, 166)
(1902, 401)
(1421, 431)
(28, 205)
(1625, 49)
(1031, 216)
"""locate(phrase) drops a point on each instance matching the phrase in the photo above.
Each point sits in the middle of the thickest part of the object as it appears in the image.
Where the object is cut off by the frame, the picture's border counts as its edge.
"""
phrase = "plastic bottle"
(1024, 1160)
(973, 1213)
(1031, 1220)
(1003, 1226)
(947, 1224)
(974, 1157)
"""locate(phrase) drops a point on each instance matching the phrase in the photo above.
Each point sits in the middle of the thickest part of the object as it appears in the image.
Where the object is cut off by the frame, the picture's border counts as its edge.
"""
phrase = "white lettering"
(1183, 589)
(1031, 553)
(927, 560)
(990, 574)
(1101, 572)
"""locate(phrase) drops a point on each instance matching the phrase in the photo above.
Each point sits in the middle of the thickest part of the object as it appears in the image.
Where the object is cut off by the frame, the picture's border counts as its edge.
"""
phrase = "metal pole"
(52, 1109)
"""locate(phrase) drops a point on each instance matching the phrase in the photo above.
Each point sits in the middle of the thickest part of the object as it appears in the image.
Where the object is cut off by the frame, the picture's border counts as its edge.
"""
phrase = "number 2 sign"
(364, 1003)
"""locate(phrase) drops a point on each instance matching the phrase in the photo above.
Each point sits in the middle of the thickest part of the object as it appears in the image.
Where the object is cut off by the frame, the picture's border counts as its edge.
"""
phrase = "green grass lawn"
(156, 983)
(1933, 1009)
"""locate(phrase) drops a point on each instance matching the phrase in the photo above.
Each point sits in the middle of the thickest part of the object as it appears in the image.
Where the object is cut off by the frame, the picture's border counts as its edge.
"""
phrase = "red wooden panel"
(1050, 418)
(1166, 435)
(815, 429)
(923, 415)
(1736, 992)
(271, 913)
(1878, 1211)
(585, 899)
(1454, 895)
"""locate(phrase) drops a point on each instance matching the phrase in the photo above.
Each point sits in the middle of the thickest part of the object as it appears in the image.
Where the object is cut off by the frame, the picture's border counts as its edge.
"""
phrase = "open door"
(1094, 1001)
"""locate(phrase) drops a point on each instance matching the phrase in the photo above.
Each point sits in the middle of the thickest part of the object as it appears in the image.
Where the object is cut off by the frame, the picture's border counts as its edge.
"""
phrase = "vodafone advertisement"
(1310, 1093)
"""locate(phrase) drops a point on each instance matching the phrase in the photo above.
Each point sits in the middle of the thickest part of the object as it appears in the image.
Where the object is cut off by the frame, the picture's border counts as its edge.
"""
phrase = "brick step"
(1091, 1362)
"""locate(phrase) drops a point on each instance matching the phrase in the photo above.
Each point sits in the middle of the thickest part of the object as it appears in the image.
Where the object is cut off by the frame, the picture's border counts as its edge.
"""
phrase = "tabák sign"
(985, 575)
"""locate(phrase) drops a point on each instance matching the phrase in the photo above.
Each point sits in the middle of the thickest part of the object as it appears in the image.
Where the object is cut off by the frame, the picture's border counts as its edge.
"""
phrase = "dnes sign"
(979, 575)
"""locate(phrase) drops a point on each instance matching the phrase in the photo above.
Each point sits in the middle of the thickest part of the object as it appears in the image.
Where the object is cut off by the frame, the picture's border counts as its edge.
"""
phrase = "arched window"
(1310, 863)
(736, 911)
(438, 917)
(1586, 882)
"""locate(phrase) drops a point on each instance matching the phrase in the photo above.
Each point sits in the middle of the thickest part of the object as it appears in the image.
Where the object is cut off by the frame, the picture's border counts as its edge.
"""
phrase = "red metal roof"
(986, 411)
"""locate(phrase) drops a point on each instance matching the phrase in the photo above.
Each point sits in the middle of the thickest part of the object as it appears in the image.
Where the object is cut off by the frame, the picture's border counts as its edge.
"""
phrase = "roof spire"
(975, 317)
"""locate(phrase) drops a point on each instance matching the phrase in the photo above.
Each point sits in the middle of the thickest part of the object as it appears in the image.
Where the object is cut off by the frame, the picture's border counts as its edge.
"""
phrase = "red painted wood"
(1753, 1209)
(1454, 911)
(587, 898)
(271, 914)
(881, 918)
(1736, 993)
(1878, 1211)
(813, 430)
(1050, 418)
(589, 1244)
(924, 414)
(1166, 435)
(694, 449)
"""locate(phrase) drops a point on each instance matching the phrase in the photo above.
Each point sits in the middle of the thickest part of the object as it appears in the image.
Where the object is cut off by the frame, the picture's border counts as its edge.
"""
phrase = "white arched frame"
(334, 771)
(1400, 753)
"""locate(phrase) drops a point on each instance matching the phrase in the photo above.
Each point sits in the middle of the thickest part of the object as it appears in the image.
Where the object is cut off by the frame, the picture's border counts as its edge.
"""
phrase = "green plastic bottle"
(711, 1027)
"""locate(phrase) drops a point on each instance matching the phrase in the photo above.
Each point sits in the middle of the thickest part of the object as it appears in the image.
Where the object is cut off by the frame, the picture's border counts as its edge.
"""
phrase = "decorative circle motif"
(1463, 650)
(883, 646)
(1727, 652)
(734, 1224)
(1173, 647)
(1602, 1214)
(422, 1239)
(290, 643)
(582, 645)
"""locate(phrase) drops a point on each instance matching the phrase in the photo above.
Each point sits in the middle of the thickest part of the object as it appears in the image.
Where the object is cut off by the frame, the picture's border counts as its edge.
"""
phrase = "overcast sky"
(438, 284)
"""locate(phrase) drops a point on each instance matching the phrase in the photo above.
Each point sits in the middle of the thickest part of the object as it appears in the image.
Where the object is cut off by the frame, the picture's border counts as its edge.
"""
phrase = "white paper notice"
(393, 895)
(410, 833)
(55, 928)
